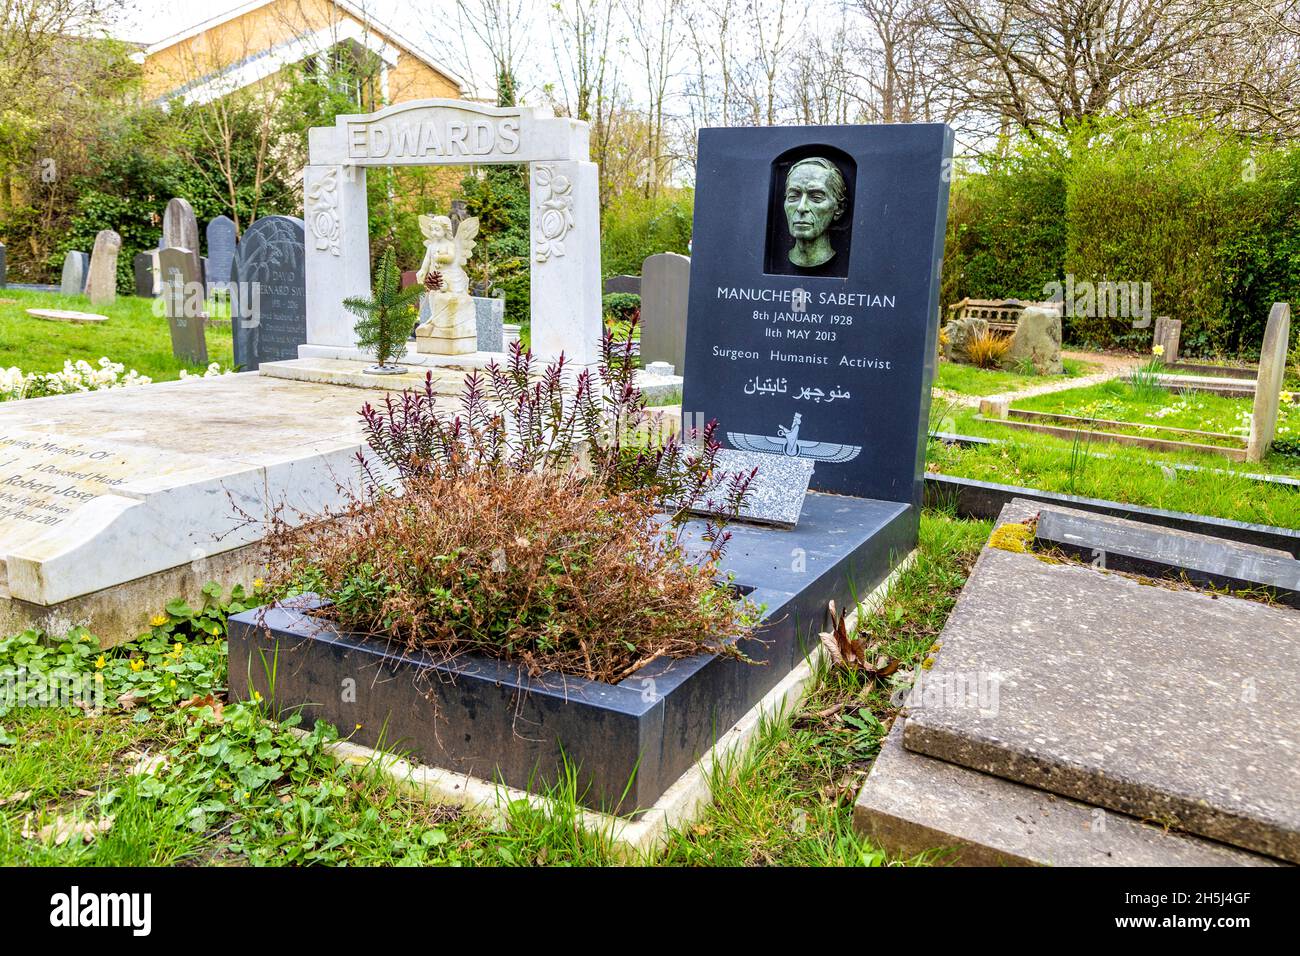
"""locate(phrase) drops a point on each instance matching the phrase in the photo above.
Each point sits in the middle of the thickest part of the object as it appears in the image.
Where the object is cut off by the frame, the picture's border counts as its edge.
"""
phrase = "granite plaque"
(814, 297)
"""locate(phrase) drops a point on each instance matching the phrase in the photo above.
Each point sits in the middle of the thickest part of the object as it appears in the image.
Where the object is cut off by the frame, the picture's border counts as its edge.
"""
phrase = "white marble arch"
(564, 214)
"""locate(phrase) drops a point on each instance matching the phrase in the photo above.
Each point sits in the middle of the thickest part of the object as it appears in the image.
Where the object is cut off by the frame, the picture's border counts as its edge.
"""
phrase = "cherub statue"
(447, 251)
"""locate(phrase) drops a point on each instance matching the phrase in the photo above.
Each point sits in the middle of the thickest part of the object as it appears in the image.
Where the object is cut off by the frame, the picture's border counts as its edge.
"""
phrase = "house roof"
(356, 11)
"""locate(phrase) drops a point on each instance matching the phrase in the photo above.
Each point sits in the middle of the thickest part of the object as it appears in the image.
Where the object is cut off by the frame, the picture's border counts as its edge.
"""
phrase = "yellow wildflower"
(137, 666)
(257, 696)
(158, 620)
(258, 584)
(101, 663)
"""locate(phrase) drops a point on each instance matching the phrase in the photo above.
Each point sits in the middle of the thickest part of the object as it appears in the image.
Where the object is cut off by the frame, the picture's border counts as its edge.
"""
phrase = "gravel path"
(1112, 366)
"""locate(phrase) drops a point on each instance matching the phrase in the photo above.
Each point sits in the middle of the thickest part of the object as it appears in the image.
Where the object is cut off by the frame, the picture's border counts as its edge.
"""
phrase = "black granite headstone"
(269, 292)
(143, 265)
(623, 284)
(831, 362)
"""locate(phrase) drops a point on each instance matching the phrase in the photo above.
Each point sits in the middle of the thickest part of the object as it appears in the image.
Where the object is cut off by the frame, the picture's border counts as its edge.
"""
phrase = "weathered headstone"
(268, 294)
(185, 301)
(665, 294)
(180, 229)
(624, 284)
(101, 286)
(1268, 388)
(221, 252)
(4, 267)
(75, 267)
(1167, 334)
(459, 212)
(1038, 339)
(145, 267)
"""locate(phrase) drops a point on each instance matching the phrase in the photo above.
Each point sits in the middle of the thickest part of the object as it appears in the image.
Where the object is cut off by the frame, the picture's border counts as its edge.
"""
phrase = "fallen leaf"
(64, 829)
(218, 708)
(147, 763)
(18, 797)
(129, 700)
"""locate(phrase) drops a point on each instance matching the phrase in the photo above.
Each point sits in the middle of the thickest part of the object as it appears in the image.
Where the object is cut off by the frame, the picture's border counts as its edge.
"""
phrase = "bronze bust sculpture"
(815, 198)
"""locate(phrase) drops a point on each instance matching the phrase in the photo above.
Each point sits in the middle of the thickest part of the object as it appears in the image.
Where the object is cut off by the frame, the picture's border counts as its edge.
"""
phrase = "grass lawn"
(231, 786)
(969, 380)
(1122, 473)
(133, 335)
(1146, 408)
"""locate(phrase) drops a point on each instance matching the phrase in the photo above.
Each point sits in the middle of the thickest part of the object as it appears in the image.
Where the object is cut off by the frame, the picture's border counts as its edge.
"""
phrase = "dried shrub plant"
(988, 350)
(540, 523)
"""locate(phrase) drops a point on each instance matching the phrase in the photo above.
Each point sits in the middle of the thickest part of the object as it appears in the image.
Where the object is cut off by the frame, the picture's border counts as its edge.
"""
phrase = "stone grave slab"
(1169, 705)
(1129, 546)
(911, 804)
(269, 295)
(490, 315)
(180, 227)
(75, 267)
(814, 297)
(67, 315)
(101, 490)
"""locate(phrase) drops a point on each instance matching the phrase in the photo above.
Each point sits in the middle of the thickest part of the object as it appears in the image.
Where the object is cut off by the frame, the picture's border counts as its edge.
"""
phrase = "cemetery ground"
(133, 335)
(172, 774)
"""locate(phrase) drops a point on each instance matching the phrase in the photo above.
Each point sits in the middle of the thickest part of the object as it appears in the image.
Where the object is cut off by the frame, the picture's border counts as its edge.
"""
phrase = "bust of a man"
(814, 199)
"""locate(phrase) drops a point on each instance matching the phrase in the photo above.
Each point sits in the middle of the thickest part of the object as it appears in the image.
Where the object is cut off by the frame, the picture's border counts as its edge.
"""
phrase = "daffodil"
(1157, 350)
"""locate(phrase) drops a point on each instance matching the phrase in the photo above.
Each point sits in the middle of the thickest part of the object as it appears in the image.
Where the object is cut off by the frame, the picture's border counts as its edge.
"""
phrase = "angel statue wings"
(447, 251)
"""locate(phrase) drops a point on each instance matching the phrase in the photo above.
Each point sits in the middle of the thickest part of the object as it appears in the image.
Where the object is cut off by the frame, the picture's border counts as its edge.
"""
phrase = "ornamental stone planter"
(628, 742)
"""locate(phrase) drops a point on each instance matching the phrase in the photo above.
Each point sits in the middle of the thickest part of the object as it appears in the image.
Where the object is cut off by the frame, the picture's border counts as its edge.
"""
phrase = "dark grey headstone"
(75, 267)
(221, 251)
(491, 316)
(184, 298)
(1121, 545)
(832, 363)
(626, 284)
(145, 266)
(665, 293)
(4, 267)
(269, 295)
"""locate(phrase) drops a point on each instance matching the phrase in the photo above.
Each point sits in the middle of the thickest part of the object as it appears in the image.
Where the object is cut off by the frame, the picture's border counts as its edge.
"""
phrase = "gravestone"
(4, 267)
(76, 265)
(623, 284)
(1038, 339)
(65, 315)
(268, 294)
(221, 252)
(1167, 334)
(180, 229)
(184, 300)
(1268, 389)
(459, 212)
(490, 316)
(101, 285)
(145, 266)
(814, 299)
(665, 293)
